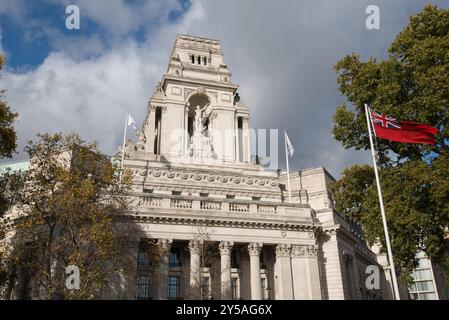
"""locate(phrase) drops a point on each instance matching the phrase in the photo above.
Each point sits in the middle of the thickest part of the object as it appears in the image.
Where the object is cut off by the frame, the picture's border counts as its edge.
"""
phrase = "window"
(145, 190)
(205, 284)
(263, 288)
(143, 288)
(230, 196)
(192, 59)
(424, 274)
(234, 263)
(198, 59)
(176, 193)
(174, 260)
(142, 259)
(204, 60)
(423, 286)
(173, 287)
(158, 128)
(204, 195)
(235, 288)
(256, 198)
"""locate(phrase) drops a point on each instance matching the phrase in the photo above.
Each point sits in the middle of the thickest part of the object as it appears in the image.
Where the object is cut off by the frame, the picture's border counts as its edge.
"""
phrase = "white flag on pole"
(289, 145)
(131, 122)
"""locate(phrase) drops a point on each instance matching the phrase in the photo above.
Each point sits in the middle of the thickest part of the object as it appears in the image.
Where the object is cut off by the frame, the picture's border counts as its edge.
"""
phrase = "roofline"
(197, 37)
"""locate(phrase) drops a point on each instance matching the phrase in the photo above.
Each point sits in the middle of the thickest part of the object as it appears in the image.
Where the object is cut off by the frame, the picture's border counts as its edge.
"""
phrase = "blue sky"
(26, 40)
(280, 53)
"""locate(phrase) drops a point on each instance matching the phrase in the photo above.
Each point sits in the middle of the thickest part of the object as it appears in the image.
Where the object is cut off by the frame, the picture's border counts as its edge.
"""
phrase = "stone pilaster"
(164, 250)
(237, 142)
(195, 268)
(284, 272)
(150, 131)
(225, 257)
(254, 256)
(305, 271)
(246, 149)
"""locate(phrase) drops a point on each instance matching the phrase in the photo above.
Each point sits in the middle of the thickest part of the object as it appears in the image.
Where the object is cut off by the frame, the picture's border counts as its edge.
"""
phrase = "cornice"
(195, 82)
(221, 222)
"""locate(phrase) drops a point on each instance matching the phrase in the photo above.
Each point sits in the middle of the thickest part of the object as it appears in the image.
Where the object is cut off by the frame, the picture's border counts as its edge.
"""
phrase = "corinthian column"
(225, 255)
(164, 249)
(195, 266)
(284, 271)
(254, 256)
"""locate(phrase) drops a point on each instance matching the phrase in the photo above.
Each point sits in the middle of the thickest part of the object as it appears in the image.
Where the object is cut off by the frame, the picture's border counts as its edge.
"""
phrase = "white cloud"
(280, 55)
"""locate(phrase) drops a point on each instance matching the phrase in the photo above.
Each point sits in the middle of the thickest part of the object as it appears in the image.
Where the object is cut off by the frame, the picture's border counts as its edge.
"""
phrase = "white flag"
(288, 145)
(131, 122)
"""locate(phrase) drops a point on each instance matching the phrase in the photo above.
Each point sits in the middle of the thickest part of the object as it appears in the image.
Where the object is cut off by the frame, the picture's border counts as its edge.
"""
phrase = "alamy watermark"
(372, 281)
(372, 22)
(73, 21)
(72, 282)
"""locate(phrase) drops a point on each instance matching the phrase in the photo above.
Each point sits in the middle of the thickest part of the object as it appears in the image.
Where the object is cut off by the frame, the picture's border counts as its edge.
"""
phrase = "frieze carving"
(225, 247)
(194, 247)
(164, 245)
(304, 250)
(283, 250)
(347, 256)
(153, 108)
(172, 174)
(189, 91)
(254, 248)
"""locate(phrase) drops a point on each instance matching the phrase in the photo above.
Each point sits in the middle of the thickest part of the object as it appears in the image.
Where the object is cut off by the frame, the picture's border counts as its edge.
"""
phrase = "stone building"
(195, 183)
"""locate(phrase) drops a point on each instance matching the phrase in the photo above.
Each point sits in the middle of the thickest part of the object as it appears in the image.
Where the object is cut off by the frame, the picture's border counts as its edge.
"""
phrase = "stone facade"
(194, 183)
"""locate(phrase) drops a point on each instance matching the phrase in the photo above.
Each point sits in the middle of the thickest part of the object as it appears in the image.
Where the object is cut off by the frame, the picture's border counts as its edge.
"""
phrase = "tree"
(208, 252)
(66, 215)
(412, 84)
(7, 134)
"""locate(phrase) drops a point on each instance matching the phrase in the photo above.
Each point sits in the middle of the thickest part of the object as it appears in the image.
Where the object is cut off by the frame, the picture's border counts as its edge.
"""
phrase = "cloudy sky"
(280, 53)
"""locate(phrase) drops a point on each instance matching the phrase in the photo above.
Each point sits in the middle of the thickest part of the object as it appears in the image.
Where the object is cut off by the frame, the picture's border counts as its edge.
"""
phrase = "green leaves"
(412, 84)
(8, 135)
(70, 202)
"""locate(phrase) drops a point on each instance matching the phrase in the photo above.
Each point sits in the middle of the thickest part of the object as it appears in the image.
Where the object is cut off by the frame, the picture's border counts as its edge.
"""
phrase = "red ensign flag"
(389, 128)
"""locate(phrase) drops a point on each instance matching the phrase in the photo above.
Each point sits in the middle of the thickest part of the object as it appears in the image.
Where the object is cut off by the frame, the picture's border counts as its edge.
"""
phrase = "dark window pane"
(174, 260)
(143, 288)
(173, 287)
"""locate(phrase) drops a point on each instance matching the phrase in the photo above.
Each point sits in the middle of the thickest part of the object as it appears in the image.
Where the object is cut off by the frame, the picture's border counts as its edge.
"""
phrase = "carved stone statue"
(199, 119)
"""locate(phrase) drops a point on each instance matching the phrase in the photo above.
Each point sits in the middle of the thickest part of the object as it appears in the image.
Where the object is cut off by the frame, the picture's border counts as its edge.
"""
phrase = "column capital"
(254, 248)
(194, 247)
(300, 250)
(283, 250)
(164, 244)
(225, 247)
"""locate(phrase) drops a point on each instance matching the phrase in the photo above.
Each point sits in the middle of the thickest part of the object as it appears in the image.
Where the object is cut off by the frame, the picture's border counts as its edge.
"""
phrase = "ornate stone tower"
(192, 179)
(195, 113)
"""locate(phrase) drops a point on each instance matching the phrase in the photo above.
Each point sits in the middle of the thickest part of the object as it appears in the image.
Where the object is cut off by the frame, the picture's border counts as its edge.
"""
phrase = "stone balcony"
(258, 211)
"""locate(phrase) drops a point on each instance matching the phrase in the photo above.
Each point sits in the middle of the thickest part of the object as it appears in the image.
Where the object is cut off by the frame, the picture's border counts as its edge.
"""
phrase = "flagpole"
(123, 147)
(382, 209)
(288, 170)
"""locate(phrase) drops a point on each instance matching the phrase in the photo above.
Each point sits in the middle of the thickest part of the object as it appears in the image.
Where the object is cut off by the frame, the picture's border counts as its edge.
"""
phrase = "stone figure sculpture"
(199, 119)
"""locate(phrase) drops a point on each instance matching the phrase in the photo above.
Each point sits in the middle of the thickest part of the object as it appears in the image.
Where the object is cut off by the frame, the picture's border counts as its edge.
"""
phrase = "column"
(186, 130)
(306, 277)
(150, 129)
(237, 143)
(164, 249)
(195, 269)
(254, 260)
(284, 272)
(225, 257)
(246, 148)
(131, 281)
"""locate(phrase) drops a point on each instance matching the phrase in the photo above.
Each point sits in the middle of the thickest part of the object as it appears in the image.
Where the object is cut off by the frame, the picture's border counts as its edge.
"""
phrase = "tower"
(196, 114)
